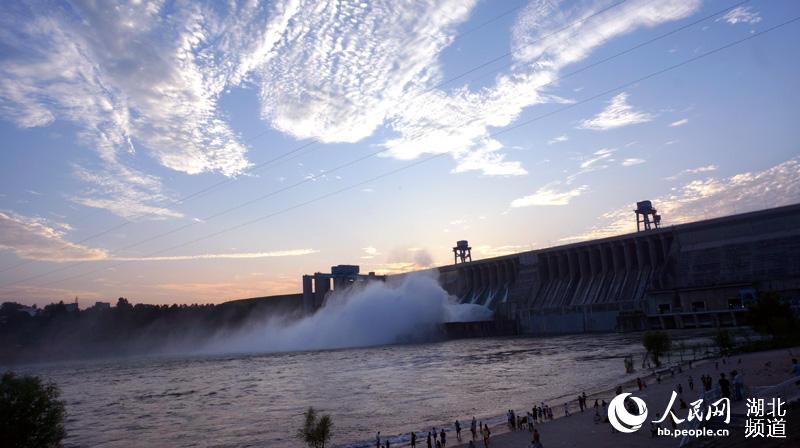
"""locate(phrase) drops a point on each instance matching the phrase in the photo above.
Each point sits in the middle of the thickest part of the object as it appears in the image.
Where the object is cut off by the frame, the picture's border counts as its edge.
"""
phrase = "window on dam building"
(699, 305)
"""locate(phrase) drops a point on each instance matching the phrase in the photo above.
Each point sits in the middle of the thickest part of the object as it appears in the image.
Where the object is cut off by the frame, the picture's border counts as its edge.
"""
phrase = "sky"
(198, 152)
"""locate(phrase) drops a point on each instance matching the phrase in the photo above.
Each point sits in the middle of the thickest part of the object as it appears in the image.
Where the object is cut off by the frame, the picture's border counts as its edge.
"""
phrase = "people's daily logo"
(621, 418)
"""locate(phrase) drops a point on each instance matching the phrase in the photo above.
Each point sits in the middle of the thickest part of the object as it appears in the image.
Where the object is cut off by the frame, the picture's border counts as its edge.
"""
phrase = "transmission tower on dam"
(646, 216)
(462, 252)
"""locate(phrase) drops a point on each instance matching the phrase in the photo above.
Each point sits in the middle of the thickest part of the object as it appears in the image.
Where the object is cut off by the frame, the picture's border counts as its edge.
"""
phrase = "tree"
(316, 431)
(656, 343)
(769, 315)
(31, 415)
(724, 341)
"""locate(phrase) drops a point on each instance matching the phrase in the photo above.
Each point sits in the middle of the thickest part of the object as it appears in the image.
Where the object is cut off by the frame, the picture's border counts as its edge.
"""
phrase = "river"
(258, 399)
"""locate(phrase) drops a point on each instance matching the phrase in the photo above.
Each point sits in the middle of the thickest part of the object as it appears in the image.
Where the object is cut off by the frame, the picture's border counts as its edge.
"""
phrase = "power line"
(375, 153)
(329, 171)
(507, 129)
(259, 166)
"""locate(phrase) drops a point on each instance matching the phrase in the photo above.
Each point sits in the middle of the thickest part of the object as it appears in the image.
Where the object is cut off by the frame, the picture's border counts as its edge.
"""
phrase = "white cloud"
(33, 238)
(711, 198)
(741, 14)
(700, 169)
(125, 74)
(632, 162)
(548, 195)
(680, 122)
(487, 251)
(38, 239)
(559, 139)
(617, 114)
(149, 76)
(460, 122)
(223, 256)
(369, 253)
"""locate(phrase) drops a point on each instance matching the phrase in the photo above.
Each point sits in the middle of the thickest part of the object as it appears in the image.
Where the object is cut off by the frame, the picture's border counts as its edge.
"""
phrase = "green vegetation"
(773, 317)
(656, 343)
(58, 332)
(31, 415)
(724, 341)
(316, 430)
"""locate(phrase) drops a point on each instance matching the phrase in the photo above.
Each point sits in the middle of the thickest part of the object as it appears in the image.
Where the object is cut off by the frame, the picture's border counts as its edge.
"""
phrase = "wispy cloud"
(617, 114)
(680, 122)
(460, 122)
(632, 162)
(711, 198)
(34, 238)
(487, 251)
(223, 256)
(700, 169)
(370, 252)
(549, 195)
(559, 139)
(741, 14)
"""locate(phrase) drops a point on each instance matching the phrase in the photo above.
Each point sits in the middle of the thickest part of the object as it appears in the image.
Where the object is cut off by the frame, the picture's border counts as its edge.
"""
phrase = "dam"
(696, 275)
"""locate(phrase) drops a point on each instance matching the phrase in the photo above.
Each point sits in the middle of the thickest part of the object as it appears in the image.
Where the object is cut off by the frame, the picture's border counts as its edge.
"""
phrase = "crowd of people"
(730, 386)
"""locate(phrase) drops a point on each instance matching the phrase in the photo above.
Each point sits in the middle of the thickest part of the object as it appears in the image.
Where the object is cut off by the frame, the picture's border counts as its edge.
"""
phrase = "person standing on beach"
(537, 442)
(473, 429)
(413, 440)
(691, 383)
(486, 435)
(378, 440)
(458, 430)
(724, 386)
(530, 421)
(443, 436)
(430, 442)
(566, 409)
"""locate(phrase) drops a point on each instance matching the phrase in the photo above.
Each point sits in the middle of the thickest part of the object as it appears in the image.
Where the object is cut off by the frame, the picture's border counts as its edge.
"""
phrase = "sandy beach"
(759, 369)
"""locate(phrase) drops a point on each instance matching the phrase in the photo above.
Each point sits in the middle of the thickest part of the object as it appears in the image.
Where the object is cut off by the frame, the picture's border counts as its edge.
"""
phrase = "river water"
(258, 399)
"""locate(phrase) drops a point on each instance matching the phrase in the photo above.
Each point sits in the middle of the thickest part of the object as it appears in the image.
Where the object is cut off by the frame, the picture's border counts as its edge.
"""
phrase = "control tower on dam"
(694, 275)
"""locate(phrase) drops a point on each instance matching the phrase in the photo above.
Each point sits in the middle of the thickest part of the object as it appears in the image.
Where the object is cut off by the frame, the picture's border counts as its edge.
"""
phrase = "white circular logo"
(621, 419)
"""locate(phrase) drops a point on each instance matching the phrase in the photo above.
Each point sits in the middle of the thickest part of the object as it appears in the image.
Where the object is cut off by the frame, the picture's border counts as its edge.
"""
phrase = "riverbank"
(579, 429)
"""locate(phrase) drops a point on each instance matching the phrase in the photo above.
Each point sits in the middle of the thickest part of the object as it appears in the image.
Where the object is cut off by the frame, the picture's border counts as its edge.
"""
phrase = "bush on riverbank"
(656, 343)
(771, 316)
(31, 414)
(316, 430)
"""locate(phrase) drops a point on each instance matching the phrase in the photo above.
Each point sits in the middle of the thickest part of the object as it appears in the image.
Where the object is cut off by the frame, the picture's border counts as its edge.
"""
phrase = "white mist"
(411, 310)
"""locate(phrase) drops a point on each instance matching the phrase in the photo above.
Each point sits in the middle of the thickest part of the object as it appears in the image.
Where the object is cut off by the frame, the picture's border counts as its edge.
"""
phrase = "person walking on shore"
(566, 409)
(443, 437)
(378, 440)
(458, 430)
(486, 435)
(430, 442)
(537, 442)
(413, 440)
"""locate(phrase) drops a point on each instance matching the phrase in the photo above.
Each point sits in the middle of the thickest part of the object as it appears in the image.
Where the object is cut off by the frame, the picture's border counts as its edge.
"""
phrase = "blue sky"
(112, 113)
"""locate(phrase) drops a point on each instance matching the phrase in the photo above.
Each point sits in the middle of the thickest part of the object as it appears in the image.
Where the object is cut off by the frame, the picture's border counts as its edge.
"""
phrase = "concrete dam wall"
(692, 275)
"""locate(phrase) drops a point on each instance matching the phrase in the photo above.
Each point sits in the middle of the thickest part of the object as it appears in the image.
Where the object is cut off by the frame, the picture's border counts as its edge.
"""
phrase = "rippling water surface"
(258, 399)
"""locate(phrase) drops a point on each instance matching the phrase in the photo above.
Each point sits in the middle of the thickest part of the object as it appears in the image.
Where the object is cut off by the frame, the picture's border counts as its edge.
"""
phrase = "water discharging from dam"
(378, 313)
